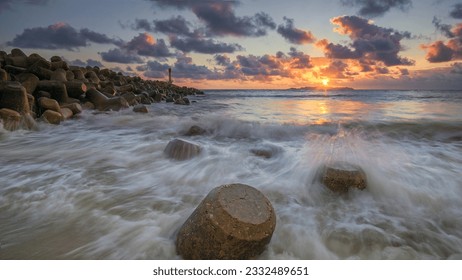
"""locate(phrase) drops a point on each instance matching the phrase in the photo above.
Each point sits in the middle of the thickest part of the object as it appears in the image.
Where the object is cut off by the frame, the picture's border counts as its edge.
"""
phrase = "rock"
(49, 104)
(66, 113)
(70, 75)
(262, 153)
(195, 130)
(29, 81)
(78, 75)
(76, 108)
(339, 177)
(180, 101)
(57, 89)
(181, 150)
(3, 75)
(102, 103)
(52, 117)
(140, 109)
(131, 98)
(233, 222)
(75, 89)
(88, 106)
(92, 77)
(56, 58)
(41, 69)
(11, 119)
(59, 65)
(18, 53)
(158, 97)
(59, 75)
(17, 61)
(14, 96)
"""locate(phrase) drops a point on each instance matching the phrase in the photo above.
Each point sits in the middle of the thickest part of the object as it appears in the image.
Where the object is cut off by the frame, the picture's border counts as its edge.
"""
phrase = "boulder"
(195, 130)
(339, 177)
(102, 103)
(18, 61)
(59, 75)
(17, 53)
(59, 65)
(49, 104)
(11, 119)
(66, 113)
(52, 117)
(140, 109)
(3, 75)
(232, 222)
(76, 108)
(181, 150)
(57, 89)
(14, 96)
(41, 69)
(29, 81)
(265, 153)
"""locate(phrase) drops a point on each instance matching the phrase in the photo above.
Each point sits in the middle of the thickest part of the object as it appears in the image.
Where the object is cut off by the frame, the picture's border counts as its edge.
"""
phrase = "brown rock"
(70, 75)
(233, 222)
(66, 113)
(140, 109)
(18, 61)
(57, 89)
(181, 150)
(14, 96)
(59, 75)
(41, 69)
(49, 104)
(131, 98)
(52, 117)
(78, 75)
(29, 81)
(339, 177)
(76, 108)
(18, 53)
(195, 130)
(262, 153)
(103, 103)
(75, 89)
(56, 58)
(88, 106)
(11, 119)
(59, 65)
(3, 75)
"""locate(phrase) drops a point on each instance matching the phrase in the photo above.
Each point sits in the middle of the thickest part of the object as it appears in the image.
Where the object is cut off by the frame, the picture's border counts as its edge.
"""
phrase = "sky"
(249, 44)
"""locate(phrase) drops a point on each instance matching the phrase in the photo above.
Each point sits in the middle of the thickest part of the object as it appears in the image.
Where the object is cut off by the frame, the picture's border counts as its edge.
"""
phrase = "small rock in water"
(233, 222)
(339, 177)
(195, 130)
(140, 109)
(52, 117)
(181, 150)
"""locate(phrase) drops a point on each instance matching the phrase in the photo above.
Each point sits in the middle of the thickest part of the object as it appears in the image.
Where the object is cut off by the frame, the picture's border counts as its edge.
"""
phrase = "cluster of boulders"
(32, 87)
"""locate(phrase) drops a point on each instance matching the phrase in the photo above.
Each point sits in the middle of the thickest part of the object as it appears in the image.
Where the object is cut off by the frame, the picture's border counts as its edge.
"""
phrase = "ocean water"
(100, 187)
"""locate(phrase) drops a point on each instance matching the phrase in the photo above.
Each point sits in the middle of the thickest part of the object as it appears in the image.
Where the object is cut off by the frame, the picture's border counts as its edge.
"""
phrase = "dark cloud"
(145, 45)
(220, 18)
(295, 35)
(59, 36)
(203, 46)
(176, 25)
(7, 4)
(120, 56)
(299, 60)
(222, 60)
(440, 51)
(89, 62)
(375, 8)
(370, 42)
(336, 69)
(154, 69)
(457, 11)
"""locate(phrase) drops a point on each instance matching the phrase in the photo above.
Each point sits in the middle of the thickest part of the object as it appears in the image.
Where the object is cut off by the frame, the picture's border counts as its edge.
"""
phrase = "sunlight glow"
(325, 82)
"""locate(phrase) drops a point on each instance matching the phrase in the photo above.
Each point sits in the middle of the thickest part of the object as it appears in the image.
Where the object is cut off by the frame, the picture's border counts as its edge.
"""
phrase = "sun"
(325, 82)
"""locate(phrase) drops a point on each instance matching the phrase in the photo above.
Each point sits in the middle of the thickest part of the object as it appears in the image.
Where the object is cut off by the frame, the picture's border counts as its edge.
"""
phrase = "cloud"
(335, 69)
(89, 62)
(120, 56)
(457, 11)
(203, 46)
(7, 4)
(175, 25)
(220, 18)
(376, 8)
(370, 43)
(145, 45)
(440, 51)
(59, 36)
(295, 35)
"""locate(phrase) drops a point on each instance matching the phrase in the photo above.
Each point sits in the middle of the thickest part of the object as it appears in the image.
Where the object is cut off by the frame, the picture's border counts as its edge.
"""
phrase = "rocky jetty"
(53, 91)
(232, 222)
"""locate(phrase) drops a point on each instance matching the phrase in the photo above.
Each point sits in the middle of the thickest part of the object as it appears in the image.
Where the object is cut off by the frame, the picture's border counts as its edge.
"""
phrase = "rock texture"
(181, 150)
(233, 222)
(339, 177)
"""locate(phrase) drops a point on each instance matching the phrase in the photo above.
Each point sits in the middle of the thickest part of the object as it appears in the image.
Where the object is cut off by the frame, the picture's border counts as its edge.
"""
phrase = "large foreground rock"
(339, 177)
(181, 150)
(233, 222)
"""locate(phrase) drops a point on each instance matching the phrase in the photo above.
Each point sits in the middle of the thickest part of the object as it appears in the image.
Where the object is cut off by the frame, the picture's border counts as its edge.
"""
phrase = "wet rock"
(140, 109)
(195, 130)
(49, 104)
(59, 75)
(29, 81)
(11, 119)
(57, 89)
(262, 153)
(103, 103)
(52, 117)
(233, 222)
(339, 177)
(131, 98)
(181, 150)
(75, 89)
(14, 96)
(66, 113)
(3, 75)
(76, 108)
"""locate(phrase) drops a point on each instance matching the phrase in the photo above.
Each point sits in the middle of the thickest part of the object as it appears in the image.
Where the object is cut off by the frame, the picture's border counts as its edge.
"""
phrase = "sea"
(100, 187)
